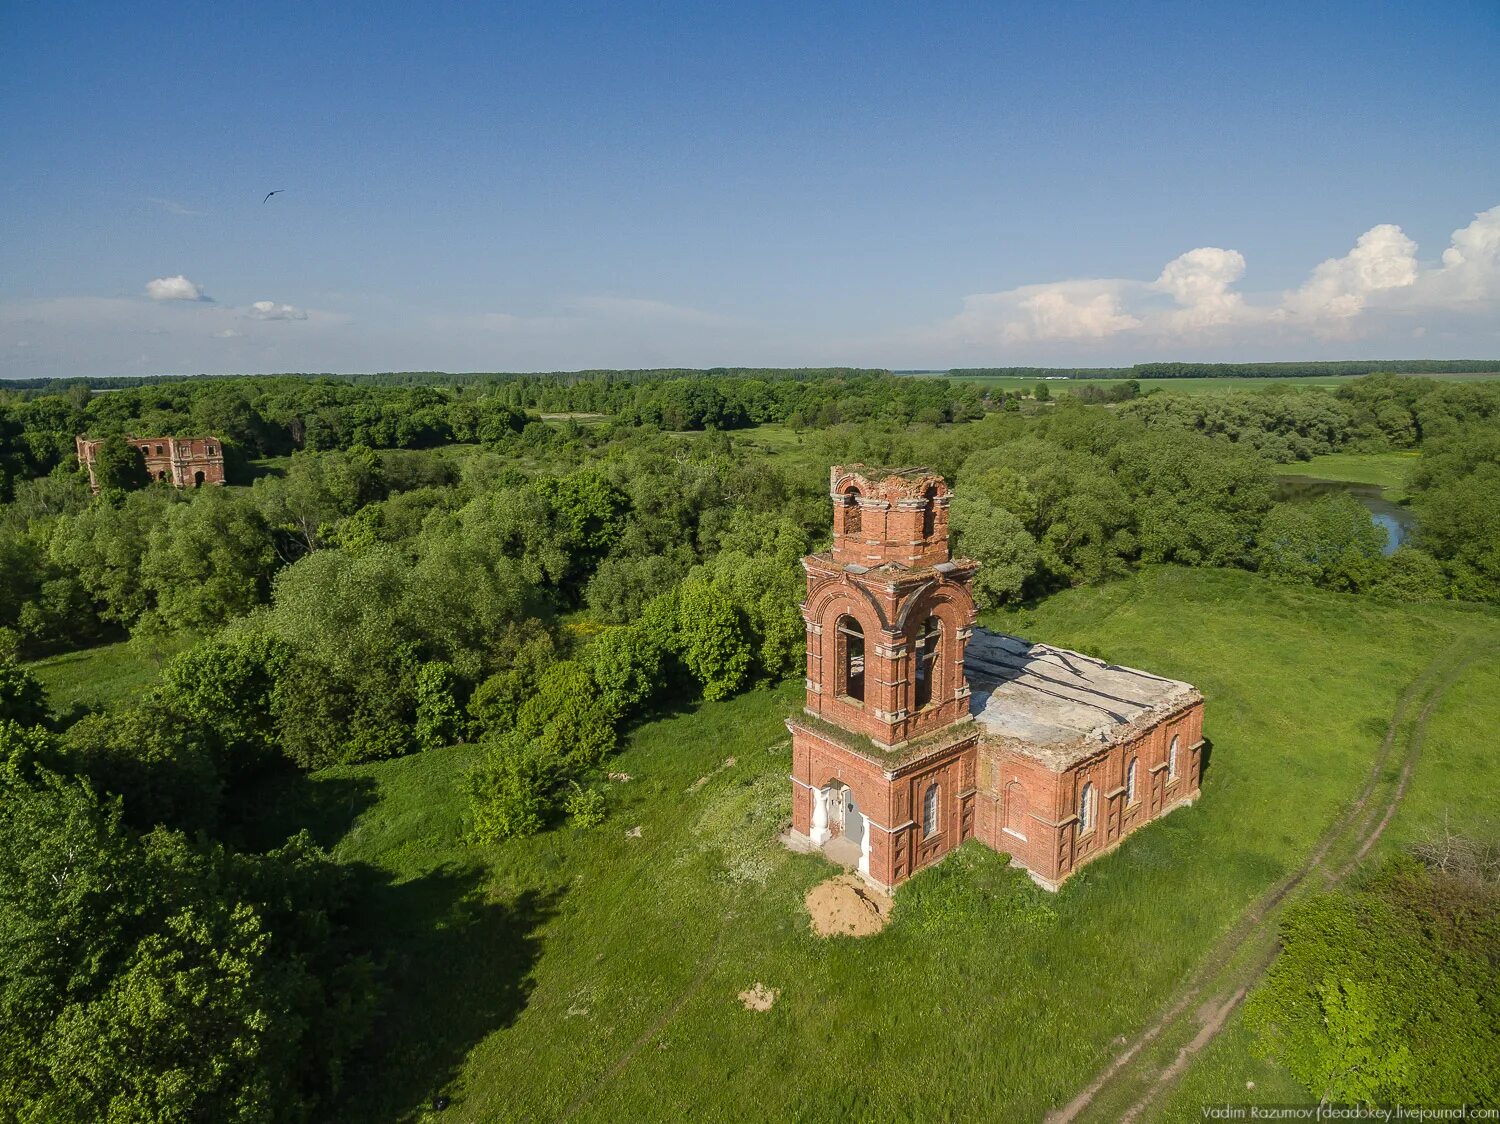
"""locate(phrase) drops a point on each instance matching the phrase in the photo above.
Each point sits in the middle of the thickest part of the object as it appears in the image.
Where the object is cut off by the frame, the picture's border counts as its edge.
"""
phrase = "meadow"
(102, 677)
(1186, 385)
(1389, 471)
(593, 974)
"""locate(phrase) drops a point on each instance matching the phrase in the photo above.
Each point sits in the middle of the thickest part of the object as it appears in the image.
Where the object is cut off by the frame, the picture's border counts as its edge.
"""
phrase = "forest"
(400, 567)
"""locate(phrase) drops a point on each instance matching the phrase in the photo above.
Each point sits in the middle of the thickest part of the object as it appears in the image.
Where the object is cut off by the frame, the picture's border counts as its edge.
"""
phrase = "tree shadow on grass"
(456, 966)
(264, 812)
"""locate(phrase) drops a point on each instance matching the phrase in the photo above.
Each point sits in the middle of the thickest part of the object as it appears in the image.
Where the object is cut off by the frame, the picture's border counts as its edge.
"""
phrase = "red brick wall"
(898, 518)
(890, 615)
(892, 807)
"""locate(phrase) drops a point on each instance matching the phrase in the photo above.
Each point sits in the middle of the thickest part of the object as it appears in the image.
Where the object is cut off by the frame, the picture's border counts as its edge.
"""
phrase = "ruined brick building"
(922, 731)
(183, 462)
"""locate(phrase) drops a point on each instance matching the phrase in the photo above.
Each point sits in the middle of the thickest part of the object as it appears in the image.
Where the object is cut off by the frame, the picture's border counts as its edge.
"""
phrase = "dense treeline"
(257, 417)
(451, 378)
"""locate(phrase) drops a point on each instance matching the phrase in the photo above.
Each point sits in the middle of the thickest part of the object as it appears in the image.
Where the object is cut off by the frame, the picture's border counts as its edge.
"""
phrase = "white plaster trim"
(1016, 834)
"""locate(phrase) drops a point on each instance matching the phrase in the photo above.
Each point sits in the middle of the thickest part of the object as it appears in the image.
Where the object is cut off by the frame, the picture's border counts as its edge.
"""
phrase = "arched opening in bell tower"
(925, 652)
(853, 522)
(851, 660)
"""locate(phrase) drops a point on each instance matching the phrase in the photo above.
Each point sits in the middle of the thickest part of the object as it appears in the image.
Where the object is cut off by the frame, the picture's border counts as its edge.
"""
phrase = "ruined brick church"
(183, 462)
(922, 731)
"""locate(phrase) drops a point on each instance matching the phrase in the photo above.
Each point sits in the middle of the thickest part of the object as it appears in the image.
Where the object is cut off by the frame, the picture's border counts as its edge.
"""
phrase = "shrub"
(585, 806)
(439, 718)
(509, 792)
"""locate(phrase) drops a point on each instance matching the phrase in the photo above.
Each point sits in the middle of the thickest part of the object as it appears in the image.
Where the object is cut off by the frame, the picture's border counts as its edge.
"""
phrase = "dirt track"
(1135, 1079)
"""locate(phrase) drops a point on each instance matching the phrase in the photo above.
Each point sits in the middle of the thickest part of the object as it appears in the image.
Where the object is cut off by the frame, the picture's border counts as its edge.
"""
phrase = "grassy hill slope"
(593, 975)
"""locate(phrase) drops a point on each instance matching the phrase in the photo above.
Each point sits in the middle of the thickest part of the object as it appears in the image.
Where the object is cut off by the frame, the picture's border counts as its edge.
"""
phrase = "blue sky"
(555, 186)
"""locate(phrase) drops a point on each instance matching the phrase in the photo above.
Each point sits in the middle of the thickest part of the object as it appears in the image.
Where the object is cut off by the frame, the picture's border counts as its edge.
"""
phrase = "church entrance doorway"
(848, 842)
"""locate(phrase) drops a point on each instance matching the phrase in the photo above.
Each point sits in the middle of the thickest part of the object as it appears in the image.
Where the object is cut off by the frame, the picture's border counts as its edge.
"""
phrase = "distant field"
(1190, 386)
(593, 974)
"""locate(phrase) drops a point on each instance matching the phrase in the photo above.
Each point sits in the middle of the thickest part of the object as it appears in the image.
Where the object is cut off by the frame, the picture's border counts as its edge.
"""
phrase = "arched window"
(851, 656)
(930, 811)
(1130, 782)
(1086, 810)
(1172, 761)
(853, 523)
(924, 653)
(929, 512)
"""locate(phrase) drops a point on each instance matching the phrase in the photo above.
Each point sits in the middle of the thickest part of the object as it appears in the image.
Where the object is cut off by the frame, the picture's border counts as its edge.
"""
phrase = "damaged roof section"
(1061, 706)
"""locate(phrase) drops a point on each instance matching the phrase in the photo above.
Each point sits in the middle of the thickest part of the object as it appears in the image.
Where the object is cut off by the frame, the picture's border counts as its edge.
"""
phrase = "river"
(1398, 521)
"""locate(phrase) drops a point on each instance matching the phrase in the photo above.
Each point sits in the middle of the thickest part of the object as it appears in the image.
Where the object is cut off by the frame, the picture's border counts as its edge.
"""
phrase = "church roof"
(1061, 706)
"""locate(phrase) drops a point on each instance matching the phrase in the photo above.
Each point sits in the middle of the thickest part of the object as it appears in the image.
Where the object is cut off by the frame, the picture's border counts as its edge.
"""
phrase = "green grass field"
(99, 678)
(588, 975)
(1389, 470)
(1185, 386)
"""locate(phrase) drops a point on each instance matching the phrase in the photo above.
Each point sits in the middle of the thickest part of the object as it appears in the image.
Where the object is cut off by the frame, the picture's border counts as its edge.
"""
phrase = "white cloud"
(228, 334)
(1199, 282)
(1471, 265)
(270, 310)
(1339, 288)
(1377, 287)
(177, 288)
(1064, 310)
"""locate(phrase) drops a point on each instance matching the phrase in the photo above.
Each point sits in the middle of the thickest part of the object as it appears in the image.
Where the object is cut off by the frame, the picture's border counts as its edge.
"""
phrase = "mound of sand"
(760, 997)
(845, 906)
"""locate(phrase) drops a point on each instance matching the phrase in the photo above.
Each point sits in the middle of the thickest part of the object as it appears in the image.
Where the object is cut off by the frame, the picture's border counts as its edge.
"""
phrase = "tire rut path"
(1361, 825)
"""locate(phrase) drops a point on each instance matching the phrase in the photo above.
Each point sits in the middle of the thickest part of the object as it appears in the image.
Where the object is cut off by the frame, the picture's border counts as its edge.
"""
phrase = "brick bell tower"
(888, 614)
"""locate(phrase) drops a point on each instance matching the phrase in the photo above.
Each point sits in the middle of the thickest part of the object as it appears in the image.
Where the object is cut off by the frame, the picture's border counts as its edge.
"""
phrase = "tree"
(712, 640)
(119, 464)
(318, 490)
(1385, 992)
(621, 586)
(1329, 542)
(23, 700)
(208, 560)
(999, 541)
(146, 978)
(523, 655)
(105, 545)
(158, 761)
(626, 668)
(226, 685)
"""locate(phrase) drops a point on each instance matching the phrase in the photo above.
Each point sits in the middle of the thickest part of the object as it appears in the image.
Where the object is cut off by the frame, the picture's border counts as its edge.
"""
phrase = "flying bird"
(278, 191)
